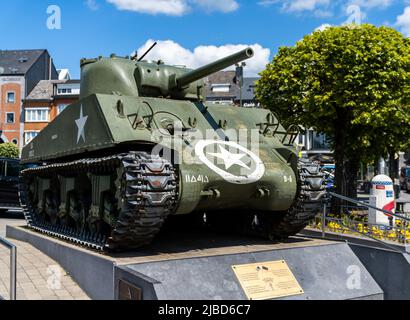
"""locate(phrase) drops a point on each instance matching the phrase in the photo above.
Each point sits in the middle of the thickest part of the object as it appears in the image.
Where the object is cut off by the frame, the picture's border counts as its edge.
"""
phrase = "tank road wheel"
(77, 212)
(51, 207)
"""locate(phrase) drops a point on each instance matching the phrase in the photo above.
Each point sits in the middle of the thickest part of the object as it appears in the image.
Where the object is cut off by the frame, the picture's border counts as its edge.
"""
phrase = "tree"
(351, 83)
(9, 150)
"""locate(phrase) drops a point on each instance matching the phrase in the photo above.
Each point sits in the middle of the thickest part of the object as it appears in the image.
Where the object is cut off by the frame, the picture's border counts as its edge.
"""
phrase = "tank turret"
(150, 79)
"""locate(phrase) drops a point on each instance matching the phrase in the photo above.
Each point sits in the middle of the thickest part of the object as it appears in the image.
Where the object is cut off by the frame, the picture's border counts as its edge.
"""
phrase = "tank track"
(279, 225)
(308, 203)
(148, 196)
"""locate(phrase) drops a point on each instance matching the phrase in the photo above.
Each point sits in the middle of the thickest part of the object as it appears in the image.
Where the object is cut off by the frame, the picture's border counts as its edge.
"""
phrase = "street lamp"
(239, 79)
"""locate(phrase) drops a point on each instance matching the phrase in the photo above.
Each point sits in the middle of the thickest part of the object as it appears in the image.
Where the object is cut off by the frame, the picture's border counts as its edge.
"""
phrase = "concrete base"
(322, 271)
(200, 269)
(390, 269)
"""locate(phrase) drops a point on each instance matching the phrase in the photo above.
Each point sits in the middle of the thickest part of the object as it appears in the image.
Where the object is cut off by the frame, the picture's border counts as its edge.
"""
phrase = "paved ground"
(11, 218)
(38, 276)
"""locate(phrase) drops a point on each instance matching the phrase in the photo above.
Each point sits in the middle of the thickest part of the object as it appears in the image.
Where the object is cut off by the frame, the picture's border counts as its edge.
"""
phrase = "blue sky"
(191, 32)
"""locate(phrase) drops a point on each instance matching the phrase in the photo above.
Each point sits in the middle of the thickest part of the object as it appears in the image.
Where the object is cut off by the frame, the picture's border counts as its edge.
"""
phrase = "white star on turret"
(81, 125)
(230, 159)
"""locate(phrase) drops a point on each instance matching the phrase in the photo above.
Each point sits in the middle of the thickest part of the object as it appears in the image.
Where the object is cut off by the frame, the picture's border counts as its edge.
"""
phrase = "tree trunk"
(352, 168)
(339, 154)
(347, 167)
(376, 167)
(393, 168)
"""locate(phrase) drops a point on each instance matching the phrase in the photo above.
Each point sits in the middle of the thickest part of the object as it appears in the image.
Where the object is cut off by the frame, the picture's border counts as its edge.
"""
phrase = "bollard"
(324, 220)
(13, 273)
(13, 267)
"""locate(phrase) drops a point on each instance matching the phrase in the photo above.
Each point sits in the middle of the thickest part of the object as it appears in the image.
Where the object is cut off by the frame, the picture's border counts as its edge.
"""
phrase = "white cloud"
(174, 7)
(297, 5)
(370, 4)
(304, 5)
(174, 54)
(92, 4)
(326, 8)
(168, 7)
(403, 22)
(217, 5)
(323, 27)
(319, 8)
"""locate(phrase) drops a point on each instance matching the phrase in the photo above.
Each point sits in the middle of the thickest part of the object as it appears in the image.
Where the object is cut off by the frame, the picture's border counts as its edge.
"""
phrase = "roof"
(221, 77)
(44, 90)
(18, 62)
(64, 74)
(248, 92)
(228, 77)
(73, 81)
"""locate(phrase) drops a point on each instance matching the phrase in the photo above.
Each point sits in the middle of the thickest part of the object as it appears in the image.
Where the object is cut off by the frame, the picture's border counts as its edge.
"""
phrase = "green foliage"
(9, 150)
(350, 82)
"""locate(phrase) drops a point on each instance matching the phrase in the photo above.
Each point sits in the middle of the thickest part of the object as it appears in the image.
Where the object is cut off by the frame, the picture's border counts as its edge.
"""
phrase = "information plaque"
(267, 280)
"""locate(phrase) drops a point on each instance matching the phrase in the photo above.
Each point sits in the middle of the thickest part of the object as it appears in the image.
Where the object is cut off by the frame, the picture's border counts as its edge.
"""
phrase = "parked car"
(405, 178)
(329, 170)
(9, 179)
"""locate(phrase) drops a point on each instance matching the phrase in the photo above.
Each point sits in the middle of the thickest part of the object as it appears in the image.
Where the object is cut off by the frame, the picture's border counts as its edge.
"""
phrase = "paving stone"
(32, 275)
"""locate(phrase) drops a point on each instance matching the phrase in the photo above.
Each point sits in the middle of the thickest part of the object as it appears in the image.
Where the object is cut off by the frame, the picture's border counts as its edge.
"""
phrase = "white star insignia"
(230, 159)
(81, 125)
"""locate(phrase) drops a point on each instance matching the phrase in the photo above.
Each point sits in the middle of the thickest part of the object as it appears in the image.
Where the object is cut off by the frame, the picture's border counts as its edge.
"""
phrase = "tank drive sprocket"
(142, 193)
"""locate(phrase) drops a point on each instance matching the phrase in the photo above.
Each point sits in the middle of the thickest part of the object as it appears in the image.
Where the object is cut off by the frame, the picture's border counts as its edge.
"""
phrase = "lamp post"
(239, 79)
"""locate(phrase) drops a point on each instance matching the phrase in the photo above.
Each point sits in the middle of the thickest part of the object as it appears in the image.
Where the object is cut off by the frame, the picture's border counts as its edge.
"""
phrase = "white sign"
(248, 162)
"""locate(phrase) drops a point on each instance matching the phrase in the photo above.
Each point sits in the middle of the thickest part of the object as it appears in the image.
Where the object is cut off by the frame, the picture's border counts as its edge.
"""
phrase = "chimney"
(49, 68)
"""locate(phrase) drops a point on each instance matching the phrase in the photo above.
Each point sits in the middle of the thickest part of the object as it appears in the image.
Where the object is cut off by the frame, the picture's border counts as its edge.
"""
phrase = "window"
(11, 97)
(37, 114)
(319, 141)
(301, 139)
(64, 90)
(61, 108)
(221, 87)
(9, 117)
(29, 135)
(12, 169)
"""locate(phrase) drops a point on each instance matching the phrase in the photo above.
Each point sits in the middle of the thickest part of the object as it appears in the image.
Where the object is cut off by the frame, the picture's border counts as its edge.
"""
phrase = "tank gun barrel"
(213, 67)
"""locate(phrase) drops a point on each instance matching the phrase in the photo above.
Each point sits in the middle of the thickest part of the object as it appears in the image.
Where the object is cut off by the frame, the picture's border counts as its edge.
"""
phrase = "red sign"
(380, 187)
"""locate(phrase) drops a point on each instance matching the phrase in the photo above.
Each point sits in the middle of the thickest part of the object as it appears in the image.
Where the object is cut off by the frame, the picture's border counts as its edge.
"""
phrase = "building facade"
(20, 71)
(45, 102)
(315, 146)
(223, 88)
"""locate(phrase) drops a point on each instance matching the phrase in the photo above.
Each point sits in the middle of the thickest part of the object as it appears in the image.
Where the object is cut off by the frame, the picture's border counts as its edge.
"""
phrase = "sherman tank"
(142, 145)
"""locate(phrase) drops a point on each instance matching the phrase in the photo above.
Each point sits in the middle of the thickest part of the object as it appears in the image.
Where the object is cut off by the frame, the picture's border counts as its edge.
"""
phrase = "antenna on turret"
(134, 57)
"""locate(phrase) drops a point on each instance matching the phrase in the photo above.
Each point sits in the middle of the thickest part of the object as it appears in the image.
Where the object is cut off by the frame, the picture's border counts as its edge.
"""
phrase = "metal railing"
(13, 267)
(370, 234)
